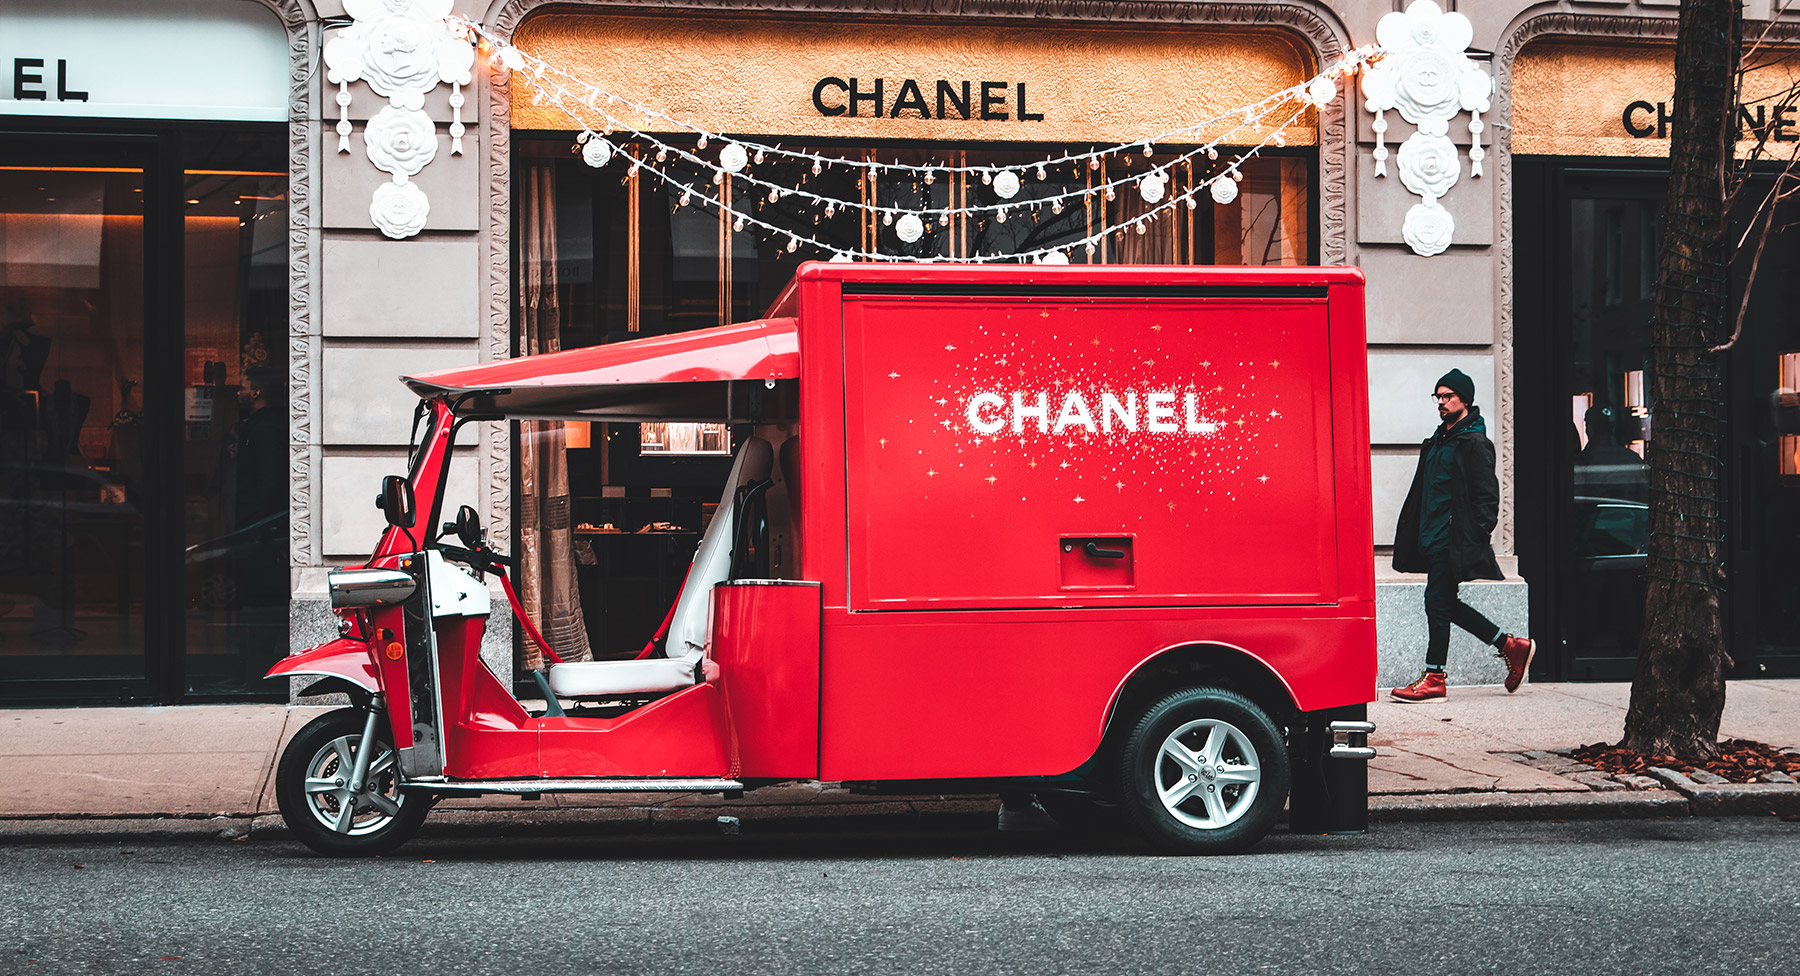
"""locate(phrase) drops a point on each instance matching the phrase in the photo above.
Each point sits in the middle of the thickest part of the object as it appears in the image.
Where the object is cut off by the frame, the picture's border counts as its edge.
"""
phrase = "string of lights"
(592, 111)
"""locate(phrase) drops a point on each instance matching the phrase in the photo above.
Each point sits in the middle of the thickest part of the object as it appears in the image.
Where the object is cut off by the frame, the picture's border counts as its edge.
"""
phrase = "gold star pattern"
(1096, 340)
(1275, 364)
(929, 473)
(1156, 328)
(883, 443)
(990, 479)
(1032, 464)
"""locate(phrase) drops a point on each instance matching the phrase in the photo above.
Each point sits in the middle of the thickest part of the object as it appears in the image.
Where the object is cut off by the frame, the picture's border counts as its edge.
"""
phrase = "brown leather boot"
(1517, 652)
(1429, 687)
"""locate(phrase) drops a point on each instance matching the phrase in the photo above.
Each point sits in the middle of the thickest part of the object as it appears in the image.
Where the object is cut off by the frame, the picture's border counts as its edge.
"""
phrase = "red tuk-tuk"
(1100, 534)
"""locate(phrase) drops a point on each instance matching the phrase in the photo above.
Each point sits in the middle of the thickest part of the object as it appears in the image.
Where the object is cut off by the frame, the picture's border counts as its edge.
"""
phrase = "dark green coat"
(1474, 503)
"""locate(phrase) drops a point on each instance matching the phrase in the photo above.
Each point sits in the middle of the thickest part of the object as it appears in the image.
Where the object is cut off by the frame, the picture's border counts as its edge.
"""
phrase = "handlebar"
(483, 560)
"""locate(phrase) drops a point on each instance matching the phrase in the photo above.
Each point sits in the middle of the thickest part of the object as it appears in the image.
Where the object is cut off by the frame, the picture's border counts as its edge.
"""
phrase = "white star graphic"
(1079, 499)
(949, 348)
(1264, 479)
(1119, 485)
(893, 376)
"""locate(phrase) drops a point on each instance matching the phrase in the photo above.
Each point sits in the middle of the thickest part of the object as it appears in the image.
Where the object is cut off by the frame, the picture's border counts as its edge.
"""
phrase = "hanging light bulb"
(830, 208)
(1280, 139)
(816, 169)
(1001, 216)
(1040, 172)
(662, 155)
(759, 157)
(930, 177)
(738, 225)
(702, 142)
(944, 218)
(1093, 162)
(1149, 150)
(1090, 249)
(793, 244)
(1211, 153)
(774, 195)
(1110, 195)
(511, 58)
(1322, 91)
(684, 199)
(718, 179)
(887, 219)
(1056, 206)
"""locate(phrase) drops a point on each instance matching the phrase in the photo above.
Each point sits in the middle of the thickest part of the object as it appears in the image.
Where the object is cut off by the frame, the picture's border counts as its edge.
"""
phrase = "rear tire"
(1204, 771)
(311, 789)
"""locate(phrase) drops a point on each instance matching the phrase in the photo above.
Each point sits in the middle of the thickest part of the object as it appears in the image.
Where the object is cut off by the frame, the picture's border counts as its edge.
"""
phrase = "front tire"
(1205, 771)
(312, 788)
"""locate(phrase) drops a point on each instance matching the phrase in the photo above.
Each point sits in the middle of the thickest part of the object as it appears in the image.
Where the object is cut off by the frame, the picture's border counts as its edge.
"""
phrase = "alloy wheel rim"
(328, 795)
(1207, 774)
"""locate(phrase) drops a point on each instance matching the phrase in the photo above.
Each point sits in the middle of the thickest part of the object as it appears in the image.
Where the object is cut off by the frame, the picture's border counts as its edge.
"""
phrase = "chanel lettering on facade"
(1645, 120)
(29, 84)
(989, 101)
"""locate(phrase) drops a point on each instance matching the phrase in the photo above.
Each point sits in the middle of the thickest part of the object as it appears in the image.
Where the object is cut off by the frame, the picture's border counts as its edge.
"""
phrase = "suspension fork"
(359, 770)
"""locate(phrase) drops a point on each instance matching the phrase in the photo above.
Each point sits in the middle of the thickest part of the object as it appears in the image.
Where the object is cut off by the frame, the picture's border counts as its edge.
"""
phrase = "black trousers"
(1443, 607)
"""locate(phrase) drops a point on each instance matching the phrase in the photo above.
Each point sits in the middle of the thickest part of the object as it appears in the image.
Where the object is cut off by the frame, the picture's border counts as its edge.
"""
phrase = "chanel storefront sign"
(841, 78)
(1645, 120)
(989, 101)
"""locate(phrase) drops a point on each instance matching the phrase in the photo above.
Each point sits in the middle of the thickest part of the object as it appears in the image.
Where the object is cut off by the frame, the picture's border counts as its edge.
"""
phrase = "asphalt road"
(1677, 896)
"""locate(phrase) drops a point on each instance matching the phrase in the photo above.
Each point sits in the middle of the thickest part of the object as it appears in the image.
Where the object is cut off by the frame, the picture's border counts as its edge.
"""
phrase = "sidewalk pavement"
(205, 770)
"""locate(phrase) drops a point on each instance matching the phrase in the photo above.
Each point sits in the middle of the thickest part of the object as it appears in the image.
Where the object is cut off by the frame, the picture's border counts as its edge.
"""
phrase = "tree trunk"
(1678, 690)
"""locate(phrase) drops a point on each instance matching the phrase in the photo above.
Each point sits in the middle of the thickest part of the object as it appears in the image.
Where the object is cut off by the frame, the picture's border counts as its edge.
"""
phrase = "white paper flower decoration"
(733, 158)
(1322, 91)
(1224, 190)
(399, 210)
(1053, 257)
(400, 141)
(1152, 187)
(909, 228)
(1006, 184)
(1428, 165)
(1428, 228)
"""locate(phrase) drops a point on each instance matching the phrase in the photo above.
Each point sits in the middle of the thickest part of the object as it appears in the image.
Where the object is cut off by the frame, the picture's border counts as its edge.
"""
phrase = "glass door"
(77, 477)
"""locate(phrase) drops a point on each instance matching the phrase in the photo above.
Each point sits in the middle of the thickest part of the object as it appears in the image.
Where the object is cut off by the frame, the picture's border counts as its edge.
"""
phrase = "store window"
(609, 254)
(143, 427)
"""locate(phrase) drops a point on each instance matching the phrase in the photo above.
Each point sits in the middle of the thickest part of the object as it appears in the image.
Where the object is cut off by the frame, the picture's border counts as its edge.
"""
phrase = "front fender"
(343, 657)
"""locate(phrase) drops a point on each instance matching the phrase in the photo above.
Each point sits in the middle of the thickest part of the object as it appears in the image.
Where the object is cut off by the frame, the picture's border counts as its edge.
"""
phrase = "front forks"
(359, 769)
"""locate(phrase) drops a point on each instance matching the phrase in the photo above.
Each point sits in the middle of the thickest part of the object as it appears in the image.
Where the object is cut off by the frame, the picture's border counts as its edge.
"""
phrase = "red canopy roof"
(682, 376)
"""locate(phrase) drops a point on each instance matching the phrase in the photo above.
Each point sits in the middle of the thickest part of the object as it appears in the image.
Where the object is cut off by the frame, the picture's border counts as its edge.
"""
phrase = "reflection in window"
(1790, 443)
(684, 440)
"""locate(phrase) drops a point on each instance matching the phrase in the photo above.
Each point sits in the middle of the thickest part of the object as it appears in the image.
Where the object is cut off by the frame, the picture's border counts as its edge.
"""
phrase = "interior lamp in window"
(684, 440)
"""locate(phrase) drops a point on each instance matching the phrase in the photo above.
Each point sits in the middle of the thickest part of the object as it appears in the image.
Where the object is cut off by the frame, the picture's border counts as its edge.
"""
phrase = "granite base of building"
(1400, 632)
(311, 622)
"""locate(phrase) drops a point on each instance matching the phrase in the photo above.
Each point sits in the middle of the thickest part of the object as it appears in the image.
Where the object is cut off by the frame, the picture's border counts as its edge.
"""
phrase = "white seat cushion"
(600, 679)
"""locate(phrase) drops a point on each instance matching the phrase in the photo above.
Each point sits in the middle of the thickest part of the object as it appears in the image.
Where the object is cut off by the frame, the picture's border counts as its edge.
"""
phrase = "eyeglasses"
(1443, 397)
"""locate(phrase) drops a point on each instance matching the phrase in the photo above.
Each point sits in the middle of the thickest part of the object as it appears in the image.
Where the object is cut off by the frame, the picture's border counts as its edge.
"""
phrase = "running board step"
(579, 785)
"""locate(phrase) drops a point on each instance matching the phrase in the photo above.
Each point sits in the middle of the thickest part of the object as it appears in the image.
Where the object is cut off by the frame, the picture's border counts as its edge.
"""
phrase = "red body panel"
(761, 639)
(340, 658)
(681, 735)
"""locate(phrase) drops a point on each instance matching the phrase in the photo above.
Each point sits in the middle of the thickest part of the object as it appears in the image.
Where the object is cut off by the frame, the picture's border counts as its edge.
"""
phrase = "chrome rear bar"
(577, 785)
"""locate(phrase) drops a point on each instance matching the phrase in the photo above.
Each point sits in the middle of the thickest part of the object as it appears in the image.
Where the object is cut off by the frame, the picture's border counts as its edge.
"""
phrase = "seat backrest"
(690, 630)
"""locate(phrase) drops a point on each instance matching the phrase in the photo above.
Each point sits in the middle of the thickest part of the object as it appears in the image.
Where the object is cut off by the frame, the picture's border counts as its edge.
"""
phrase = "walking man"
(1449, 514)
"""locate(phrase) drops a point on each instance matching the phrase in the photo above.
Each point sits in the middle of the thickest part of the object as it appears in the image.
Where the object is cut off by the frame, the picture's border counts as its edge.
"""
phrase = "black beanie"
(1459, 384)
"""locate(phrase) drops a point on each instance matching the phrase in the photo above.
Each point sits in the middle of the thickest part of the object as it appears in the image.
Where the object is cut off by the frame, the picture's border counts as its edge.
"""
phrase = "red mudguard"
(341, 658)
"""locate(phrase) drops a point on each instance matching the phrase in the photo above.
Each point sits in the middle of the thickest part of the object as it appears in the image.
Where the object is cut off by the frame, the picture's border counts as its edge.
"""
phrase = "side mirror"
(468, 527)
(396, 501)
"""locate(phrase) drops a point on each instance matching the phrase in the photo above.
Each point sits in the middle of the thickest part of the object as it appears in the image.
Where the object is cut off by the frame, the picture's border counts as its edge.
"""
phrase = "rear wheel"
(314, 788)
(1205, 771)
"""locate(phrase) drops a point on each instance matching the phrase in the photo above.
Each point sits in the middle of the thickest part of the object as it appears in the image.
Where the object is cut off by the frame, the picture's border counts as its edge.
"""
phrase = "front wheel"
(1205, 772)
(313, 787)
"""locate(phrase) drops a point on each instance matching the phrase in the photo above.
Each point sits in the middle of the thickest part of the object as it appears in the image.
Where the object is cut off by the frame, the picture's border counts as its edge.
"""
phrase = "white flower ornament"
(402, 49)
(1426, 75)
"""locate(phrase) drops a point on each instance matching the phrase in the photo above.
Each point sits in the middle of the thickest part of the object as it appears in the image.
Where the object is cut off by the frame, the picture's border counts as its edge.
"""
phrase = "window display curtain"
(550, 593)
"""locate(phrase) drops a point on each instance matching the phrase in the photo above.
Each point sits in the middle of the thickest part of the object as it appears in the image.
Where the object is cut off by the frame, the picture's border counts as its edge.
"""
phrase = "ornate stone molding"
(298, 18)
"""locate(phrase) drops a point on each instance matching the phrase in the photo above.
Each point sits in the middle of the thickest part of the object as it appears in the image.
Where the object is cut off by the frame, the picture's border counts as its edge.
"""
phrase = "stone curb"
(1733, 799)
(1528, 806)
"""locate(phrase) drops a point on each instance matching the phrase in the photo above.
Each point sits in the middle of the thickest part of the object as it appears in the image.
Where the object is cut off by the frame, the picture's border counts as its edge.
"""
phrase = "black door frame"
(1541, 195)
(158, 146)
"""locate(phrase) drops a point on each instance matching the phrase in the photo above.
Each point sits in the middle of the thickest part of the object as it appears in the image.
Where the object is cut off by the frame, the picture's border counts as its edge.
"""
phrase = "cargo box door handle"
(1093, 549)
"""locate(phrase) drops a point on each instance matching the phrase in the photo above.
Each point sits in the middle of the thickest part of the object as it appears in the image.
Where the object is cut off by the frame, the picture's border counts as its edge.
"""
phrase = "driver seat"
(690, 630)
